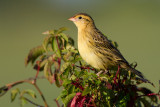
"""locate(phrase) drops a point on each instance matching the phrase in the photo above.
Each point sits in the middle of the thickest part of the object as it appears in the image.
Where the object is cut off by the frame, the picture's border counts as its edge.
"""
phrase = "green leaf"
(46, 41)
(48, 72)
(60, 30)
(68, 98)
(57, 80)
(71, 41)
(23, 101)
(65, 66)
(66, 82)
(31, 93)
(71, 89)
(64, 36)
(145, 102)
(73, 77)
(14, 94)
(63, 94)
(56, 47)
(41, 64)
(86, 91)
(34, 54)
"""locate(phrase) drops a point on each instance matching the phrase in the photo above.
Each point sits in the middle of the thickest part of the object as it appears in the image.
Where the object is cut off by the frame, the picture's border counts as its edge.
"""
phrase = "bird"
(96, 49)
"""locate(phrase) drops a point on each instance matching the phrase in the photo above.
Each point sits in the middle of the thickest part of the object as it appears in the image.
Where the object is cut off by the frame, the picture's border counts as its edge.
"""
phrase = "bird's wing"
(104, 46)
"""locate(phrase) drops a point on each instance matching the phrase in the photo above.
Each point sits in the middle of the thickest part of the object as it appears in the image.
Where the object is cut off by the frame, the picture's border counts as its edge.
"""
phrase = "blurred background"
(135, 25)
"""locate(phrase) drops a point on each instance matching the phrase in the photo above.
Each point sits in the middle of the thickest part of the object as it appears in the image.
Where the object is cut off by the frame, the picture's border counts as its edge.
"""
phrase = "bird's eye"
(80, 17)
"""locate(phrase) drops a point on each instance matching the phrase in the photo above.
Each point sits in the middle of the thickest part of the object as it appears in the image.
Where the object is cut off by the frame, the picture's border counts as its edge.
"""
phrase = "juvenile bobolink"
(95, 48)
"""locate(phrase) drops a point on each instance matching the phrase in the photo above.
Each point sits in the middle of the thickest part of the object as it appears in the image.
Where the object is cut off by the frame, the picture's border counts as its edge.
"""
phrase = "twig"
(42, 96)
(33, 102)
(30, 81)
(58, 105)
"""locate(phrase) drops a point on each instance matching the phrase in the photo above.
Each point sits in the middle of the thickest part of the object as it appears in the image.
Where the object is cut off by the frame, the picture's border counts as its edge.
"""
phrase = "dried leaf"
(3, 90)
(48, 72)
(34, 54)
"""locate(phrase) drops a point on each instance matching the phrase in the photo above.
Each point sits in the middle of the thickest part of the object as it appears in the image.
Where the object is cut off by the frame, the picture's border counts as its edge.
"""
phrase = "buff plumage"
(95, 48)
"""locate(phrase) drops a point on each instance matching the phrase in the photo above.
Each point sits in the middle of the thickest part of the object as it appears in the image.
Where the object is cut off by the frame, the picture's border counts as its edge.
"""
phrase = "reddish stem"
(116, 75)
(83, 67)
(57, 42)
(76, 84)
(38, 62)
(58, 105)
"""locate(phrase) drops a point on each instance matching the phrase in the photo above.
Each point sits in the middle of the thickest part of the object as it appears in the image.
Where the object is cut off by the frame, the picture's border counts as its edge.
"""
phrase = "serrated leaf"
(86, 91)
(34, 54)
(14, 94)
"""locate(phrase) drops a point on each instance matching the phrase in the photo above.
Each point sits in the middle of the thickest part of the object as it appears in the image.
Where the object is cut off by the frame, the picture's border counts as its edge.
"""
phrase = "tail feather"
(136, 72)
(140, 75)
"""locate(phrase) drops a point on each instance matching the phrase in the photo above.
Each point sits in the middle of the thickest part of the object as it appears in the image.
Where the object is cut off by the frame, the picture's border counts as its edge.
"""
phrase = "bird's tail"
(140, 75)
(136, 72)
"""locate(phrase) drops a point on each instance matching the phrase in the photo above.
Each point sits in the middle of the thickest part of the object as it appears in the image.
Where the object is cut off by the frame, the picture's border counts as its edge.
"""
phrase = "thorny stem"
(30, 81)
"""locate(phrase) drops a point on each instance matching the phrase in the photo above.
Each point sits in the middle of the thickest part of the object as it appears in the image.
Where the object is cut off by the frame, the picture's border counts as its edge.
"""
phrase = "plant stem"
(30, 81)
(33, 102)
(42, 96)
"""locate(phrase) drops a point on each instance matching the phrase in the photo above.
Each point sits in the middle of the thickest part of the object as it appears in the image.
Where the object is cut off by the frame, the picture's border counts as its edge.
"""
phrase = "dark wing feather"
(103, 45)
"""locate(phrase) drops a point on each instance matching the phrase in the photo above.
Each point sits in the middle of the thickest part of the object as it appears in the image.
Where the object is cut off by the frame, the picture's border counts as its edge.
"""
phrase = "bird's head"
(82, 20)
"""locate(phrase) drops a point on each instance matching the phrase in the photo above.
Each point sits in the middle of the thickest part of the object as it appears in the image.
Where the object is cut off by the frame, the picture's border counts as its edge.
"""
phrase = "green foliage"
(22, 95)
(62, 65)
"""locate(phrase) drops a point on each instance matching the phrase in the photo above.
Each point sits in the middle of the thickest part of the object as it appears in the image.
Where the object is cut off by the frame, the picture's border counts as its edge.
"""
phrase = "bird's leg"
(106, 71)
(100, 72)
(116, 75)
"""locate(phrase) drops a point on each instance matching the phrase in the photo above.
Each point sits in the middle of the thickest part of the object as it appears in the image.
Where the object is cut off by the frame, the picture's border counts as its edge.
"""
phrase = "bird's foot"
(100, 72)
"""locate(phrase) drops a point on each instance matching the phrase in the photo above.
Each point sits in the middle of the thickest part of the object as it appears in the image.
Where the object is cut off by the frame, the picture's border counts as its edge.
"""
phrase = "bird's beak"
(72, 19)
